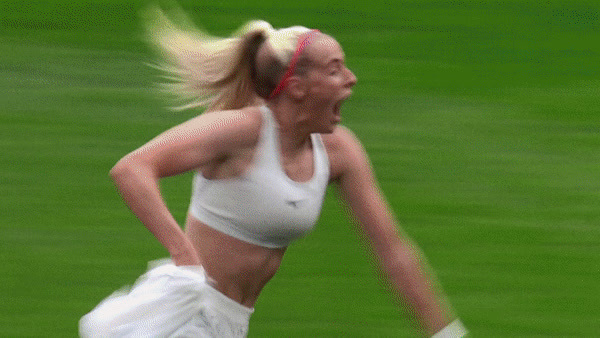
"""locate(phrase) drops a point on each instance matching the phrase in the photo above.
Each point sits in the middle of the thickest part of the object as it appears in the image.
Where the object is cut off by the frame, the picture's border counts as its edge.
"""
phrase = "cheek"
(321, 91)
(337, 83)
(329, 88)
(325, 83)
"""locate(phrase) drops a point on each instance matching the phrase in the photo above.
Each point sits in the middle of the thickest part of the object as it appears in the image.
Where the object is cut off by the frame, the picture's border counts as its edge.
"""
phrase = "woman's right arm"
(189, 146)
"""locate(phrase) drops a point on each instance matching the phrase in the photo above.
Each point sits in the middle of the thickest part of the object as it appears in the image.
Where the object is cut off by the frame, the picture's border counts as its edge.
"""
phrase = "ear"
(297, 87)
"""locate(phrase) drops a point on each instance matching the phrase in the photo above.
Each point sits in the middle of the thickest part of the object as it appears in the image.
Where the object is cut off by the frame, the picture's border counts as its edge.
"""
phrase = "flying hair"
(204, 71)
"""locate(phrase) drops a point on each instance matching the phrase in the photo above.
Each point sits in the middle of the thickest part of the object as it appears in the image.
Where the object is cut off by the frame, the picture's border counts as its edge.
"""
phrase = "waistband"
(228, 306)
(218, 300)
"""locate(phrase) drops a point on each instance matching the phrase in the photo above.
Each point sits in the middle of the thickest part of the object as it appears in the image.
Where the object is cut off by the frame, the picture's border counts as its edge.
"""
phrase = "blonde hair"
(203, 71)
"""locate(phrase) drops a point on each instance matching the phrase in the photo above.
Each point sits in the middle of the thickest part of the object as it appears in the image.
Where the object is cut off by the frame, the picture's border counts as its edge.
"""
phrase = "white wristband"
(456, 329)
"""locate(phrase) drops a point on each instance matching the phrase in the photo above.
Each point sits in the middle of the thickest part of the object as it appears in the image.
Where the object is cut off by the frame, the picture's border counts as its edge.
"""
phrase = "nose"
(351, 78)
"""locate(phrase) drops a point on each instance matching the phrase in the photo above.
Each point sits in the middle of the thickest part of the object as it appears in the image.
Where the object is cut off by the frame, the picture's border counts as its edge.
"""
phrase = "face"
(329, 82)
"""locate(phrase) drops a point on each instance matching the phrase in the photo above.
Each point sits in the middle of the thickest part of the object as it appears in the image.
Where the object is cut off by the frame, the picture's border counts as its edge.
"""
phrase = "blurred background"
(482, 120)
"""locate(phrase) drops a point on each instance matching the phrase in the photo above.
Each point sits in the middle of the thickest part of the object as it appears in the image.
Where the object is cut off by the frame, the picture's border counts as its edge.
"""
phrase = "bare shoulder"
(345, 152)
(214, 132)
(200, 141)
(237, 126)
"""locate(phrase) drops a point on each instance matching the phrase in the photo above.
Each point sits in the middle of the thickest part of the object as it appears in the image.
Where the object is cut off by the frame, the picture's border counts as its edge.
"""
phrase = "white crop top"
(263, 206)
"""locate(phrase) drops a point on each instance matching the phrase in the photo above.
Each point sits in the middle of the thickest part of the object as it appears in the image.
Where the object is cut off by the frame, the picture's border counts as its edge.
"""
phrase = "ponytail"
(203, 71)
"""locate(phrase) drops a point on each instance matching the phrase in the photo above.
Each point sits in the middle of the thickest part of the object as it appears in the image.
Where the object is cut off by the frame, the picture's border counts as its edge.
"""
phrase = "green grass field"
(482, 120)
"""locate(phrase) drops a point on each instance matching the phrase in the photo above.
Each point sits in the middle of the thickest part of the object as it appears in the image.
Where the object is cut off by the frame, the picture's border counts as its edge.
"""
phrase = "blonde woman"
(264, 152)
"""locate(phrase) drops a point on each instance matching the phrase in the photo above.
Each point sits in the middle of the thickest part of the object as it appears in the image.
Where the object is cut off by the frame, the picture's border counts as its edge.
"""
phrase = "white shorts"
(167, 301)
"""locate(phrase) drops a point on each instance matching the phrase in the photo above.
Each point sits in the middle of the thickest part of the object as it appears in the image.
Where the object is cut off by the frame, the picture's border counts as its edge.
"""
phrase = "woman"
(263, 153)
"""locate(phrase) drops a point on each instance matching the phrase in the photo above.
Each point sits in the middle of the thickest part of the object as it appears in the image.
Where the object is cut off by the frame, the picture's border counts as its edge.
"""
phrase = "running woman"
(263, 153)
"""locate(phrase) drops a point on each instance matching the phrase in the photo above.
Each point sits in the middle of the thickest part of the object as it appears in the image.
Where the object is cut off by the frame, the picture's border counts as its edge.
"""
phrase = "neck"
(294, 129)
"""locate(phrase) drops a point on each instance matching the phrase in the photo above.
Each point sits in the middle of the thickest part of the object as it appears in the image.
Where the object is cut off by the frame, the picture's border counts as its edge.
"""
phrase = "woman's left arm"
(400, 259)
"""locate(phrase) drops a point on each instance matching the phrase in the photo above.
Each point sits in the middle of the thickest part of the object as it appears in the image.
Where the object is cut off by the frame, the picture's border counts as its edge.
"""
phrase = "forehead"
(324, 49)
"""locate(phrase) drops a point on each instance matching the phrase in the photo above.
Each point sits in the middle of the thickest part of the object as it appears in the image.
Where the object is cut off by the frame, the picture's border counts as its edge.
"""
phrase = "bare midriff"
(235, 268)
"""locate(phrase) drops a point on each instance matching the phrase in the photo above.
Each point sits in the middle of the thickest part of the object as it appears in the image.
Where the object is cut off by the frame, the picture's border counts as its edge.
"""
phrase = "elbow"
(405, 267)
(130, 169)
(119, 169)
(126, 170)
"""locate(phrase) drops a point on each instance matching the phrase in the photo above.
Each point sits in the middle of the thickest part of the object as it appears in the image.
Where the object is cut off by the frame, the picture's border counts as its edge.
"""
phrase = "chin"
(328, 129)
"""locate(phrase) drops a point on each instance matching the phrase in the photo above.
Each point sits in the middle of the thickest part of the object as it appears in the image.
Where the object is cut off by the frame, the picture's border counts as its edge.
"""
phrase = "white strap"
(456, 329)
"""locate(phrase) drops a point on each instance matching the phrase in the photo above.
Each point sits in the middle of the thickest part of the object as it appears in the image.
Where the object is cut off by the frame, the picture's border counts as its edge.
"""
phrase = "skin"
(222, 145)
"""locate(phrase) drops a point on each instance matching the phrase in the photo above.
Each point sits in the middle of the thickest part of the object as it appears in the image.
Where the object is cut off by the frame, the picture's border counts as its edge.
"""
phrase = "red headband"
(302, 43)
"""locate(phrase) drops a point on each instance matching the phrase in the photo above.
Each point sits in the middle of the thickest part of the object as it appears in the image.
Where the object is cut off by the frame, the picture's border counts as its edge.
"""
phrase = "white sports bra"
(263, 206)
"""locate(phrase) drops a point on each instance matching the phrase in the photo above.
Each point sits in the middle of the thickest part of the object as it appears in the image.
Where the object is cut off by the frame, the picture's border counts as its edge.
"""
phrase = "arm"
(399, 258)
(186, 147)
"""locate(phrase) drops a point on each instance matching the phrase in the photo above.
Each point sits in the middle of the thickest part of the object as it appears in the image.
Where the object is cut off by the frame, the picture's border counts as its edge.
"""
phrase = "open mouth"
(337, 108)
